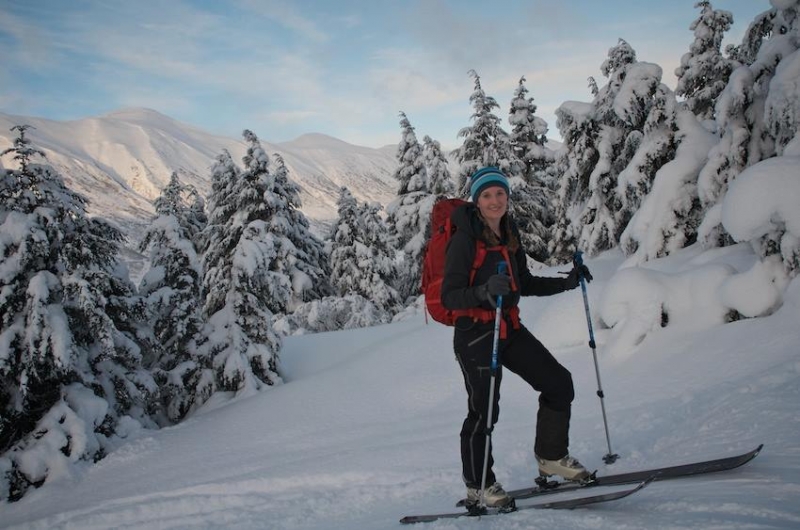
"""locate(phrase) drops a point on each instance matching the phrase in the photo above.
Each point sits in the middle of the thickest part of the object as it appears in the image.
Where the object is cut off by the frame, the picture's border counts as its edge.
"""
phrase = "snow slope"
(365, 429)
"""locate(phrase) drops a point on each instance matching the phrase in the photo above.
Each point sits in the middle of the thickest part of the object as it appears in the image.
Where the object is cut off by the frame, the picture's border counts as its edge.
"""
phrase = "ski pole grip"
(501, 269)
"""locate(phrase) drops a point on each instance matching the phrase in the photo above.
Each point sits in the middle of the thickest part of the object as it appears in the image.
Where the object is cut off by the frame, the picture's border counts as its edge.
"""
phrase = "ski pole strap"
(577, 260)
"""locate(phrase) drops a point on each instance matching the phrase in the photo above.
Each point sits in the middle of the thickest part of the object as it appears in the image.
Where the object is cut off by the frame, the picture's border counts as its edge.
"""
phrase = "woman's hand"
(573, 279)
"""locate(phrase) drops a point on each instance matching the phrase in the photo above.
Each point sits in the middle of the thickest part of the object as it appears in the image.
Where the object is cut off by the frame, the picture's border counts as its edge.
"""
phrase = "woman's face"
(493, 203)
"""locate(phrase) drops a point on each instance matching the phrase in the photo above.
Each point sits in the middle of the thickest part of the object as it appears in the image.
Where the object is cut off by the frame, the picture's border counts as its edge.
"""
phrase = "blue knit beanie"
(485, 177)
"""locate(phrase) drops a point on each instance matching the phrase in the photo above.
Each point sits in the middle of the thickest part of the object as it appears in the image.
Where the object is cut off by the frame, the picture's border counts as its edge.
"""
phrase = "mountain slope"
(122, 160)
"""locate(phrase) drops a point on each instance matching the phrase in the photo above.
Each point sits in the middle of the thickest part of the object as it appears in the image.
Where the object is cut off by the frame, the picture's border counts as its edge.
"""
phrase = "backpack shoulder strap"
(480, 256)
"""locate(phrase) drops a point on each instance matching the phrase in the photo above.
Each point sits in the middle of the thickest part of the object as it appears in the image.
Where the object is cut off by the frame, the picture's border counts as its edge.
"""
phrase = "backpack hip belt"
(485, 316)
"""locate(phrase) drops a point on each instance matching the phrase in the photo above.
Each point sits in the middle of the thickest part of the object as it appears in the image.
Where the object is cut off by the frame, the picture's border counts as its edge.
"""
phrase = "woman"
(486, 219)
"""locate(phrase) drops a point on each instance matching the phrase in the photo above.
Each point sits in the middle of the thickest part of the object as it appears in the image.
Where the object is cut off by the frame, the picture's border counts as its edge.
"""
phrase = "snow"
(783, 101)
(579, 111)
(734, 96)
(653, 226)
(761, 207)
(641, 301)
(764, 197)
(755, 292)
(640, 81)
(365, 427)
(55, 341)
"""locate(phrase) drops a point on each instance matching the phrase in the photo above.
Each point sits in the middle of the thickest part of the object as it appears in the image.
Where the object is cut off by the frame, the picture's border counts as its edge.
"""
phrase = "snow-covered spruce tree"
(409, 218)
(529, 207)
(485, 141)
(344, 238)
(773, 40)
(331, 313)
(377, 260)
(782, 105)
(750, 129)
(71, 377)
(760, 30)
(670, 213)
(410, 172)
(238, 346)
(172, 289)
(361, 259)
(574, 162)
(221, 235)
(704, 71)
(729, 156)
(439, 180)
(529, 136)
(531, 190)
(301, 255)
(771, 225)
(621, 108)
(363, 271)
(196, 216)
(409, 214)
(653, 148)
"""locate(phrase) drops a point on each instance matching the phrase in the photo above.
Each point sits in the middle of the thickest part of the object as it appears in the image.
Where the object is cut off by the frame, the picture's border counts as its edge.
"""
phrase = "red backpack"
(442, 229)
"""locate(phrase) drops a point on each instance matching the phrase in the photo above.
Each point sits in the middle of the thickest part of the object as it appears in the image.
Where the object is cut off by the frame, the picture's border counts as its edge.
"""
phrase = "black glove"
(497, 285)
(571, 281)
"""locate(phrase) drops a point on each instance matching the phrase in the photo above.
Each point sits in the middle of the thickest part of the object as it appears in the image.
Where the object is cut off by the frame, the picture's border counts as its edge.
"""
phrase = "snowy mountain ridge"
(121, 161)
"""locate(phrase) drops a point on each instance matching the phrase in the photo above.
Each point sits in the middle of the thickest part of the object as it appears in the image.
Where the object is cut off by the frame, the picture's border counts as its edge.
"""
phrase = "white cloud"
(334, 68)
(29, 47)
(287, 16)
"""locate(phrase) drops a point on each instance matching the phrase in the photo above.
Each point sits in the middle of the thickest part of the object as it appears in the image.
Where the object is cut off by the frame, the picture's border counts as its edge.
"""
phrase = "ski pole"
(498, 314)
(577, 261)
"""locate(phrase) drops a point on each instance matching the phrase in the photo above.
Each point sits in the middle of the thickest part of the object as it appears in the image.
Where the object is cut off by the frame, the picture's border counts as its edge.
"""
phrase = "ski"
(566, 504)
(632, 477)
(662, 473)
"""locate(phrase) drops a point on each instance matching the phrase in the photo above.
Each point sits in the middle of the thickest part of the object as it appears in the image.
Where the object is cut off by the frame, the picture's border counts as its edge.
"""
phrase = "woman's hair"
(505, 225)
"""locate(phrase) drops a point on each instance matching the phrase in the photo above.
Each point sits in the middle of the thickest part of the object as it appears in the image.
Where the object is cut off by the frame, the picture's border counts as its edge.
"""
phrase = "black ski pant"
(524, 355)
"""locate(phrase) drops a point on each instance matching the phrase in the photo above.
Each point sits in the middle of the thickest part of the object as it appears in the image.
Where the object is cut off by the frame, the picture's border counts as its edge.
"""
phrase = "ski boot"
(493, 497)
(568, 468)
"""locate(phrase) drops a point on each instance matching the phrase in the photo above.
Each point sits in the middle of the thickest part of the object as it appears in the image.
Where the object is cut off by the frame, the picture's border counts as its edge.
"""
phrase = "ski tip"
(754, 453)
(639, 487)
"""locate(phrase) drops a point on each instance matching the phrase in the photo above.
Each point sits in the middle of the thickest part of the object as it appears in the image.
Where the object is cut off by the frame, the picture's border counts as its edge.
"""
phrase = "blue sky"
(339, 67)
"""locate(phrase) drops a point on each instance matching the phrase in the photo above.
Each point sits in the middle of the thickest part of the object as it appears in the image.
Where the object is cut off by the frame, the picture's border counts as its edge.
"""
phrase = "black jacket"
(457, 293)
